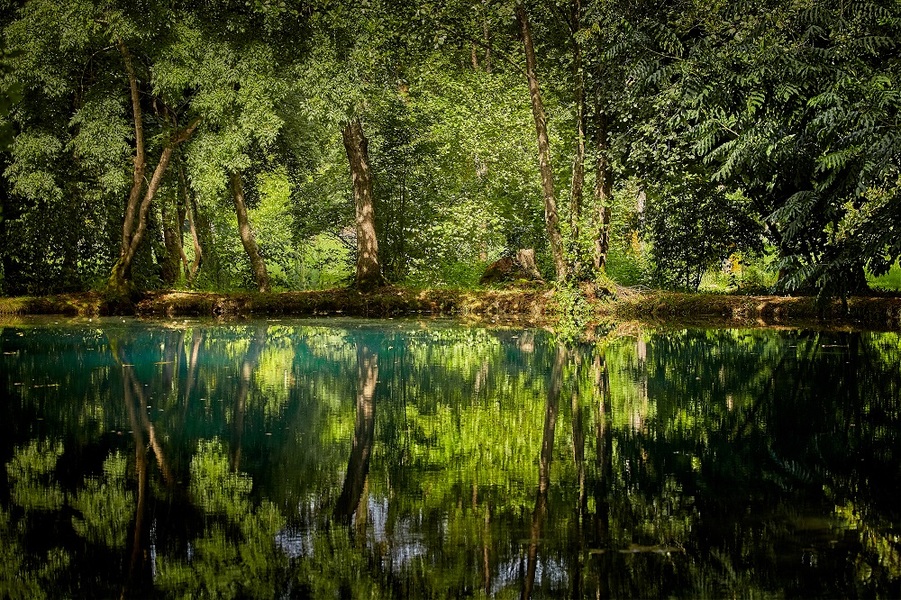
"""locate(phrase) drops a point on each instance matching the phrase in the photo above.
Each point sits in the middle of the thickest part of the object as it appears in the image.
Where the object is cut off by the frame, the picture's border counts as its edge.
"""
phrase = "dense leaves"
(679, 137)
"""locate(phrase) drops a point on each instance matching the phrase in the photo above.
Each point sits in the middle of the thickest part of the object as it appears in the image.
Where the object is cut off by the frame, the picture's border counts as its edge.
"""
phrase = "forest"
(228, 145)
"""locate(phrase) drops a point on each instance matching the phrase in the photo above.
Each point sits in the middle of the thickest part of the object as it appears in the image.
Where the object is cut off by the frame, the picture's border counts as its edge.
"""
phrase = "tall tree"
(368, 273)
(603, 188)
(142, 192)
(552, 220)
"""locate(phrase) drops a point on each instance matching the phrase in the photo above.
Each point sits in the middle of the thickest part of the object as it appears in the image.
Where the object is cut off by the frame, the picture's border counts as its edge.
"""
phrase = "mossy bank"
(540, 306)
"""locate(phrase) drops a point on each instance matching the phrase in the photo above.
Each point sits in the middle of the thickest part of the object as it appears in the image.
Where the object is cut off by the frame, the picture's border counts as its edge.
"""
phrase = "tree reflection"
(138, 573)
(364, 435)
(539, 513)
(200, 460)
(248, 365)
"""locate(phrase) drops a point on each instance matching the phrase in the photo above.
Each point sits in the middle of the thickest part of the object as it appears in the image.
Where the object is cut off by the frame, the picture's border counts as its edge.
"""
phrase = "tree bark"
(578, 177)
(135, 222)
(602, 192)
(260, 274)
(551, 217)
(172, 260)
(188, 198)
(486, 34)
(140, 158)
(368, 275)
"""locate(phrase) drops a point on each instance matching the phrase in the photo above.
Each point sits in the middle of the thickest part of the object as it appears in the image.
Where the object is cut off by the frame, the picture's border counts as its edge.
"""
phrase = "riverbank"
(535, 305)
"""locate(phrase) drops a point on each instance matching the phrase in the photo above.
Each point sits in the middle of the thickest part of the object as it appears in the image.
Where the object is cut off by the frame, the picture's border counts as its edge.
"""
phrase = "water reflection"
(427, 459)
(364, 437)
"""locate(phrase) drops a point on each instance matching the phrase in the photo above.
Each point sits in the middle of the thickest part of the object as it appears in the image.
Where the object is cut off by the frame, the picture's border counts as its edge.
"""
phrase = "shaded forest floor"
(525, 305)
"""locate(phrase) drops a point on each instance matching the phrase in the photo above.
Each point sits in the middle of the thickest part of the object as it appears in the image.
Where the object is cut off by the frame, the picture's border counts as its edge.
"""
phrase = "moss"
(526, 305)
(87, 304)
(753, 310)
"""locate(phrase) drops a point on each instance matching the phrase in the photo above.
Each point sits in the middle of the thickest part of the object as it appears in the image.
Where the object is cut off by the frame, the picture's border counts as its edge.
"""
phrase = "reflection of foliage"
(236, 556)
(24, 574)
(105, 506)
(31, 471)
(213, 486)
(21, 577)
(684, 462)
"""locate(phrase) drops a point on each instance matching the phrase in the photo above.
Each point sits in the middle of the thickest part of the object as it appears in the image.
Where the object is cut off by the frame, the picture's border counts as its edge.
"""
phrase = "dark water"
(403, 459)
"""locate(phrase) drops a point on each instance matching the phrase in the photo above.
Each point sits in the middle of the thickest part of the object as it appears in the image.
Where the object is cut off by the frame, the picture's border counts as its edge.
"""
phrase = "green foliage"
(695, 230)
(10, 94)
(104, 506)
(891, 281)
(792, 105)
(573, 312)
(745, 125)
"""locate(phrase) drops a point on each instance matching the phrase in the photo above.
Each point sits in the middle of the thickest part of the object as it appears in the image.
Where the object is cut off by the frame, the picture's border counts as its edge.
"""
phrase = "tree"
(368, 274)
(790, 105)
(352, 60)
(142, 192)
(247, 239)
(551, 218)
(118, 84)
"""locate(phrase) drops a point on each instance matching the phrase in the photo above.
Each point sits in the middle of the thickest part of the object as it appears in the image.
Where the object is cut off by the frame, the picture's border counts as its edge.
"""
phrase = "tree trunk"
(578, 178)
(369, 275)
(135, 222)
(544, 155)
(486, 34)
(260, 275)
(190, 210)
(140, 158)
(171, 266)
(603, 186)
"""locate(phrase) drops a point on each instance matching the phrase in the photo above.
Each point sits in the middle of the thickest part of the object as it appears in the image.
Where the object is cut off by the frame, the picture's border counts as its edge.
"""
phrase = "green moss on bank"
(527, 305)
(877, 312)
(384, 302)
(85, 304)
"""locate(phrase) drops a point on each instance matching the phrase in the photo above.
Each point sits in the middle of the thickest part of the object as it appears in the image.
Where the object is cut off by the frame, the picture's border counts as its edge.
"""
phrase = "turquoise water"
(346, 458)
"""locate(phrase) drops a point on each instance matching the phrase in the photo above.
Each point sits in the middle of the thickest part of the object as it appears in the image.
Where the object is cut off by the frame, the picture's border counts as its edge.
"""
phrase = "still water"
(430, 459)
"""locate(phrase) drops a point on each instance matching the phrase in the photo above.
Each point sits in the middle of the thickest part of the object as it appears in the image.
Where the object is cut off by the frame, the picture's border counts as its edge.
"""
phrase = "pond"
(350, 458)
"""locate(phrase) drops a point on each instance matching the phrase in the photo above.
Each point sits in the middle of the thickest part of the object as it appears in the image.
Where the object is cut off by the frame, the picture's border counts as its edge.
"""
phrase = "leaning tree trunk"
(602, 191)
(260, 274)
(551, 218)
(369, 275)
(134, 224)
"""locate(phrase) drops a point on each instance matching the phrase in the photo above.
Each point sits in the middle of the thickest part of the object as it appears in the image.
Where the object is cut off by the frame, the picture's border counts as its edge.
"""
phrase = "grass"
(890, 282)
